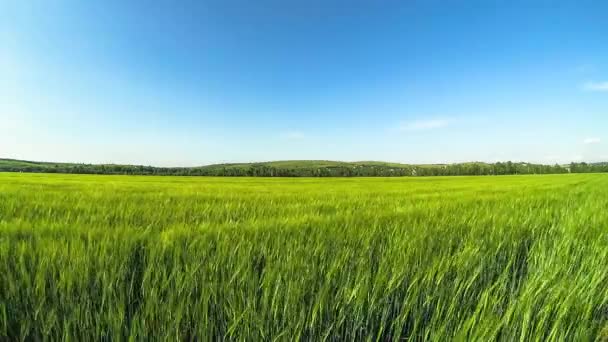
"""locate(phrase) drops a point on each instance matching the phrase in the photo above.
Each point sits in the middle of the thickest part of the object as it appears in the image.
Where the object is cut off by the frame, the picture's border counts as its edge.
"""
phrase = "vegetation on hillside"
(306, 168)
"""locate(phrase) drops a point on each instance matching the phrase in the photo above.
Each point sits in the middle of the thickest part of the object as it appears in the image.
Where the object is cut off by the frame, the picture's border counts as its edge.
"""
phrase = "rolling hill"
(305, 168)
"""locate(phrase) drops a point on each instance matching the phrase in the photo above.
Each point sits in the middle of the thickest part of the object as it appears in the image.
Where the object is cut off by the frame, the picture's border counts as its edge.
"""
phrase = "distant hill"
(305, 168)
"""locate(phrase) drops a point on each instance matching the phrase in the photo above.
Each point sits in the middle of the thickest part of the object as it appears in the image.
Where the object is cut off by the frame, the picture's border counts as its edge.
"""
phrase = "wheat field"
(279, 259)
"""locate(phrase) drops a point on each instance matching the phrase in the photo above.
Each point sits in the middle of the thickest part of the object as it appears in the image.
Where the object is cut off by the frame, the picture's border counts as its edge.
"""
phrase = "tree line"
(339, 170)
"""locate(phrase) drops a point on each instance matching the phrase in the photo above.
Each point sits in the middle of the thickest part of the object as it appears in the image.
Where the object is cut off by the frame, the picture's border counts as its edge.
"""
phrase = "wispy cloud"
(596, 86)
(293, 135)
(590, 141)
(423, 125)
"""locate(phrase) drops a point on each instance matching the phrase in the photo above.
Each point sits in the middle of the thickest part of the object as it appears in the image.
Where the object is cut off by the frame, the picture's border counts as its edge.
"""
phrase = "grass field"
(472, 258)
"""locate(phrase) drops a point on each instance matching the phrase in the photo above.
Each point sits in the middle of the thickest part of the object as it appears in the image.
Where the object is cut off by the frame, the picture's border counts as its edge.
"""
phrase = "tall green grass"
(467, 258)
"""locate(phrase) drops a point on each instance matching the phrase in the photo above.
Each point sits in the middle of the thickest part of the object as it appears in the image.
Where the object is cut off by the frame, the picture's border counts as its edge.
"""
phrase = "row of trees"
(343, 170)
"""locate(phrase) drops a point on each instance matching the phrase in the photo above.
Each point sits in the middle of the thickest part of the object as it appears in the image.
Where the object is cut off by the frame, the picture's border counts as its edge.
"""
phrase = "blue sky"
(196, 82)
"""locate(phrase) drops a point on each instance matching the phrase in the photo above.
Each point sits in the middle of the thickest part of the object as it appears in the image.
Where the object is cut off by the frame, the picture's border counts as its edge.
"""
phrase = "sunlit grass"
(483, 258)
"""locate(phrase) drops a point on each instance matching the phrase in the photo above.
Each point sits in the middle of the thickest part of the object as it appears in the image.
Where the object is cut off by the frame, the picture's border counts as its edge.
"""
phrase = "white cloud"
(293, 135)
(423, 125)
(590, 141)
(596, 86)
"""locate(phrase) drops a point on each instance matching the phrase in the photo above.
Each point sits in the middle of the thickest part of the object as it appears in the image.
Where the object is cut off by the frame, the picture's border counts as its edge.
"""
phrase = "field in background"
(510, 258)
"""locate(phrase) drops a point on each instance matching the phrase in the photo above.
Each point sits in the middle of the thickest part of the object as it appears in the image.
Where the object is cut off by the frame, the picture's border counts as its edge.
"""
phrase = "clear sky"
(185, 83)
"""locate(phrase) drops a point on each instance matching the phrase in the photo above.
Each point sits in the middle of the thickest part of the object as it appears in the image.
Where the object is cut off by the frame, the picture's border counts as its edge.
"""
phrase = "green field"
(194, 258)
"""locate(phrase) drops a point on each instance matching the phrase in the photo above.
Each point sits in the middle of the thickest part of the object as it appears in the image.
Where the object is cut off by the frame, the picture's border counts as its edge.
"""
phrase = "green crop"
(166, 258)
